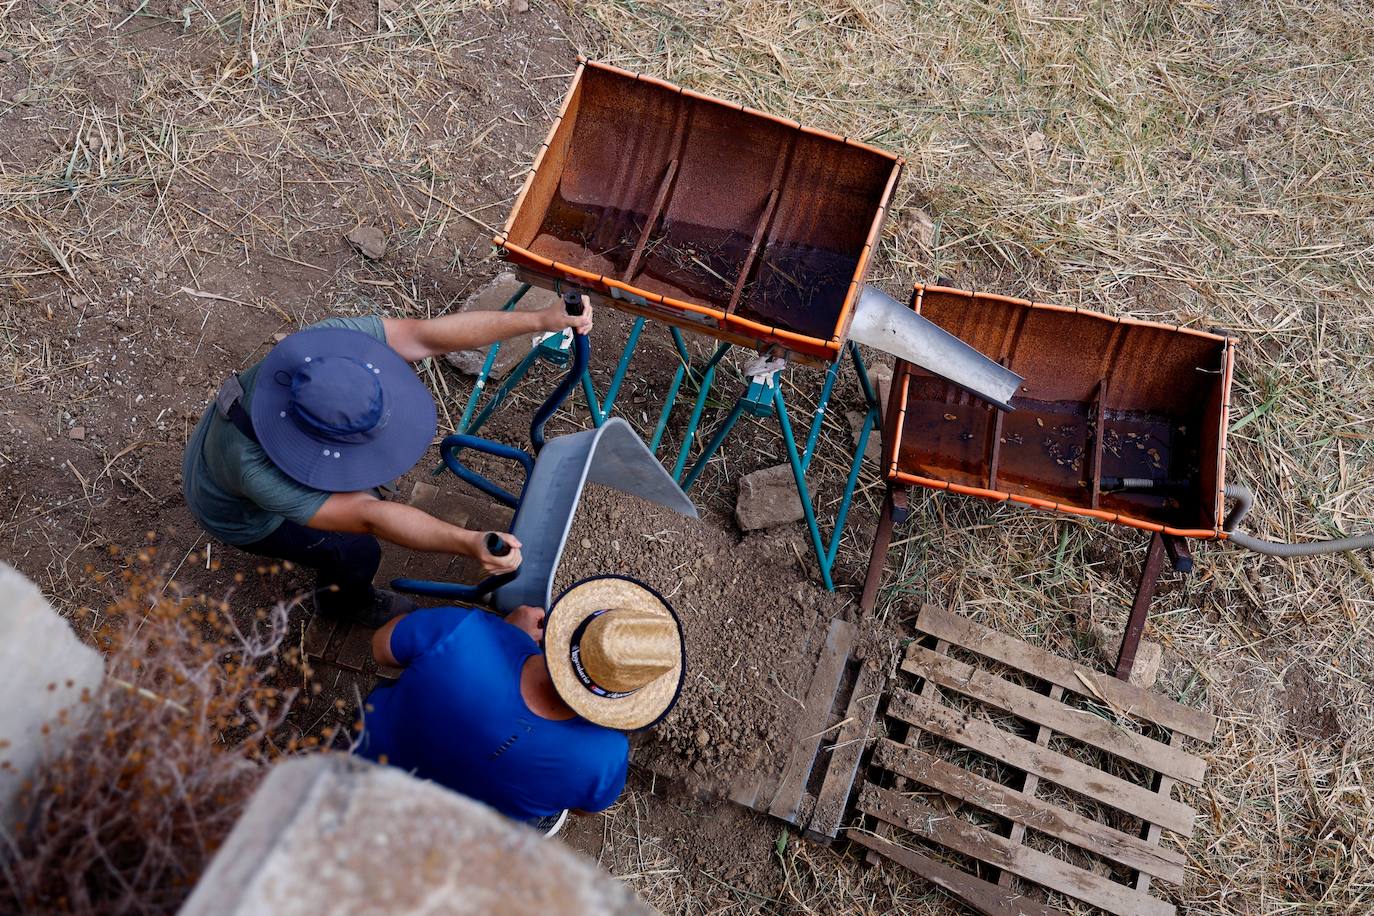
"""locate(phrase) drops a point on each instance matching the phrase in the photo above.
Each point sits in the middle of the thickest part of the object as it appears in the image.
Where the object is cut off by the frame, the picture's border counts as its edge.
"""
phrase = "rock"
(25, 96)
(520, 6)
(703, 737)
(923, 226)
(491, 298)
(327, 834)
(370, 240)
(44, 668)
(1036, 142)
(76, 432)
(874, 450)
(768, 498)
(1148, 656)
(6, 56)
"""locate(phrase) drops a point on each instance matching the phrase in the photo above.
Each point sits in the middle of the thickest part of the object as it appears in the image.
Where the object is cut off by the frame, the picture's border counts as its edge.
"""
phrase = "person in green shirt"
(286, 462)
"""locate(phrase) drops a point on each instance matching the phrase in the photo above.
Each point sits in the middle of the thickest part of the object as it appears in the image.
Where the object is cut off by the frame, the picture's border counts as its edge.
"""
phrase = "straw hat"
(614, 651)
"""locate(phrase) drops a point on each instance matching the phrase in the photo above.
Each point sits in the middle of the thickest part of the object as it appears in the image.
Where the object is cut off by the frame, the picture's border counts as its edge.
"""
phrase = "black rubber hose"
(1245, 499)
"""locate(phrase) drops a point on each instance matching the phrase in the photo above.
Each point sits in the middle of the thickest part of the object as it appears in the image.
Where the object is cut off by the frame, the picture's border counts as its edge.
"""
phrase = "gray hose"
(1245, 499)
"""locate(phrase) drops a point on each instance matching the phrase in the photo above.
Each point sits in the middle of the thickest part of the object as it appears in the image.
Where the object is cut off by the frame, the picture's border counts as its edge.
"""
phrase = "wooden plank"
(833, 798)
(787, 799)
(975, 892)
(650, 221)
(1049, 667)
(1057, 768)
(988, 688)
(930, 691)
(1163, 785)
(1099, 433)
(1029, 783)
(355, 651)
(1028, 811)
(1031, 864)
(748, 266)
(317, 634)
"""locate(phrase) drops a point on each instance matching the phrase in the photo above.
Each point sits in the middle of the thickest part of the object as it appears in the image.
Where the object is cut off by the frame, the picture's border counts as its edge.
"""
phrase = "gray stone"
(768, 498)
(370, 240)
(874, 450)
(44, 668)
(330, 834)
(491, 298)
(1149, 656)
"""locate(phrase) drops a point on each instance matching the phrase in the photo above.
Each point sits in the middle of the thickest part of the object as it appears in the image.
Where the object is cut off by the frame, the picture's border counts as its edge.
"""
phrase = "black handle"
(495, 545)
(572, 304)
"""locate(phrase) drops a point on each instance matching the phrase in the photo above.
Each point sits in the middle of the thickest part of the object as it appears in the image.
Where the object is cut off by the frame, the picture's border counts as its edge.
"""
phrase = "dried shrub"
(162, 757)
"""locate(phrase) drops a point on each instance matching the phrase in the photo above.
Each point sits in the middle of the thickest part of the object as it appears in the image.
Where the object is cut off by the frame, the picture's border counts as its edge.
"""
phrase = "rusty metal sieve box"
(702, 213)
(1120, 420)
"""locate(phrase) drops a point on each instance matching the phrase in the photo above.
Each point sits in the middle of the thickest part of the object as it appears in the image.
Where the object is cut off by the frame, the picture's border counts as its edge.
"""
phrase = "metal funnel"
(888, 325)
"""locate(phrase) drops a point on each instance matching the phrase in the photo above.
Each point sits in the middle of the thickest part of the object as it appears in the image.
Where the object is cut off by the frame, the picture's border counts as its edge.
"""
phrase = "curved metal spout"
(888, 325)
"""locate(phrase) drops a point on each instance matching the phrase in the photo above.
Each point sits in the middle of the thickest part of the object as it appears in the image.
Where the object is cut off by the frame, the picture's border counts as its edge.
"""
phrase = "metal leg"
(622, 367)
(894, 503)
(1144, 593)
(819, 417)
(711, 448)
(518, 373)
(855, 466)
(480, 385)
(799, 475)
(708, 375)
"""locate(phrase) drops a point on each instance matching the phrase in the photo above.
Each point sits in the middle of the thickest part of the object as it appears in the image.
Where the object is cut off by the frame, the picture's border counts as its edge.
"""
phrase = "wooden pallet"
(921, 797)
(812, 787)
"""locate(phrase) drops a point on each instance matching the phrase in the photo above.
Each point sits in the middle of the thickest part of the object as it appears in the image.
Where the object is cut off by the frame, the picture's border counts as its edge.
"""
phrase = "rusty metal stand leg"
(894, 510)
(1144, 594)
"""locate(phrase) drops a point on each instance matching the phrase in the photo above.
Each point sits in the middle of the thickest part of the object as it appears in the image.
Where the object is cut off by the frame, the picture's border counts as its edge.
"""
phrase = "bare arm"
(417, 338)
(381, 643)
(363, 513)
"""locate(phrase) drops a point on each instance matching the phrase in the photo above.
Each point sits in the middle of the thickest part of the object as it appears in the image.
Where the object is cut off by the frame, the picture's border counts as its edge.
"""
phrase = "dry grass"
(160, 758)
(1203, 163)
(1207, 163)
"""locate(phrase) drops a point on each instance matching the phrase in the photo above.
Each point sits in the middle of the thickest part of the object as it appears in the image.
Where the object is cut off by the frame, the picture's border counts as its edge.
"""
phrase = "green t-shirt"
(231, 486)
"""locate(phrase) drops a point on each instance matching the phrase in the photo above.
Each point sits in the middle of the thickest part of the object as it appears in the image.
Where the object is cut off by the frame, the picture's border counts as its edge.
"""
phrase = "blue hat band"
(334, 433)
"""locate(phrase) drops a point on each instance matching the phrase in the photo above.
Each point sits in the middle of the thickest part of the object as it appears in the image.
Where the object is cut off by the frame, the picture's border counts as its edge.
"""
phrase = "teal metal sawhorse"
(762, 398)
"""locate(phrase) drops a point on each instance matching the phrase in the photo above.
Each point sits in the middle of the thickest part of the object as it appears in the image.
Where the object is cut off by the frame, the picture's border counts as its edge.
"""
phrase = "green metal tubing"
(667, 407)
(799, 476)
(816, 421)
(707, 377)
(480, 384)
(598, 416)
(870, 395)
(519, 372)
(716, 441)
(870, 419)
(625, 356)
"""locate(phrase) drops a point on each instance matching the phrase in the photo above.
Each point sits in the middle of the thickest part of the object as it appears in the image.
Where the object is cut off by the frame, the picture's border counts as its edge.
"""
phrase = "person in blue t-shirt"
(285, 463)
(534, 734)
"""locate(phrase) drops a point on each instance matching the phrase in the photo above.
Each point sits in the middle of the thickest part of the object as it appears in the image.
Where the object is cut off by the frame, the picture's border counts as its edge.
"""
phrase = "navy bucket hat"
(339, 410)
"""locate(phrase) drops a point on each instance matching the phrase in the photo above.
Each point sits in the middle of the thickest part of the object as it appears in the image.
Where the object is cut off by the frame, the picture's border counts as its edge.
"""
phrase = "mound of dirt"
(752, 630)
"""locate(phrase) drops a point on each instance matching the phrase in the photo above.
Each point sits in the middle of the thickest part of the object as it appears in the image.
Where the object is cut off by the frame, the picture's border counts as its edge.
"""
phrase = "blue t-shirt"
(231, 486)
(456, 717)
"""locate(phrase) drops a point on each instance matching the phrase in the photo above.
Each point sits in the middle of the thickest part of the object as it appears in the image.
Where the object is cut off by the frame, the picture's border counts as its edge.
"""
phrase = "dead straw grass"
(1197, 163)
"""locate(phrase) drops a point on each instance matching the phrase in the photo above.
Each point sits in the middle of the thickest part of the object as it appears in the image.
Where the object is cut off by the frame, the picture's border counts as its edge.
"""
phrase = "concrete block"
(874, 450)
(768, 498)
(328, 835)
(491, 298)
(1149, 656)
(44, 667)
